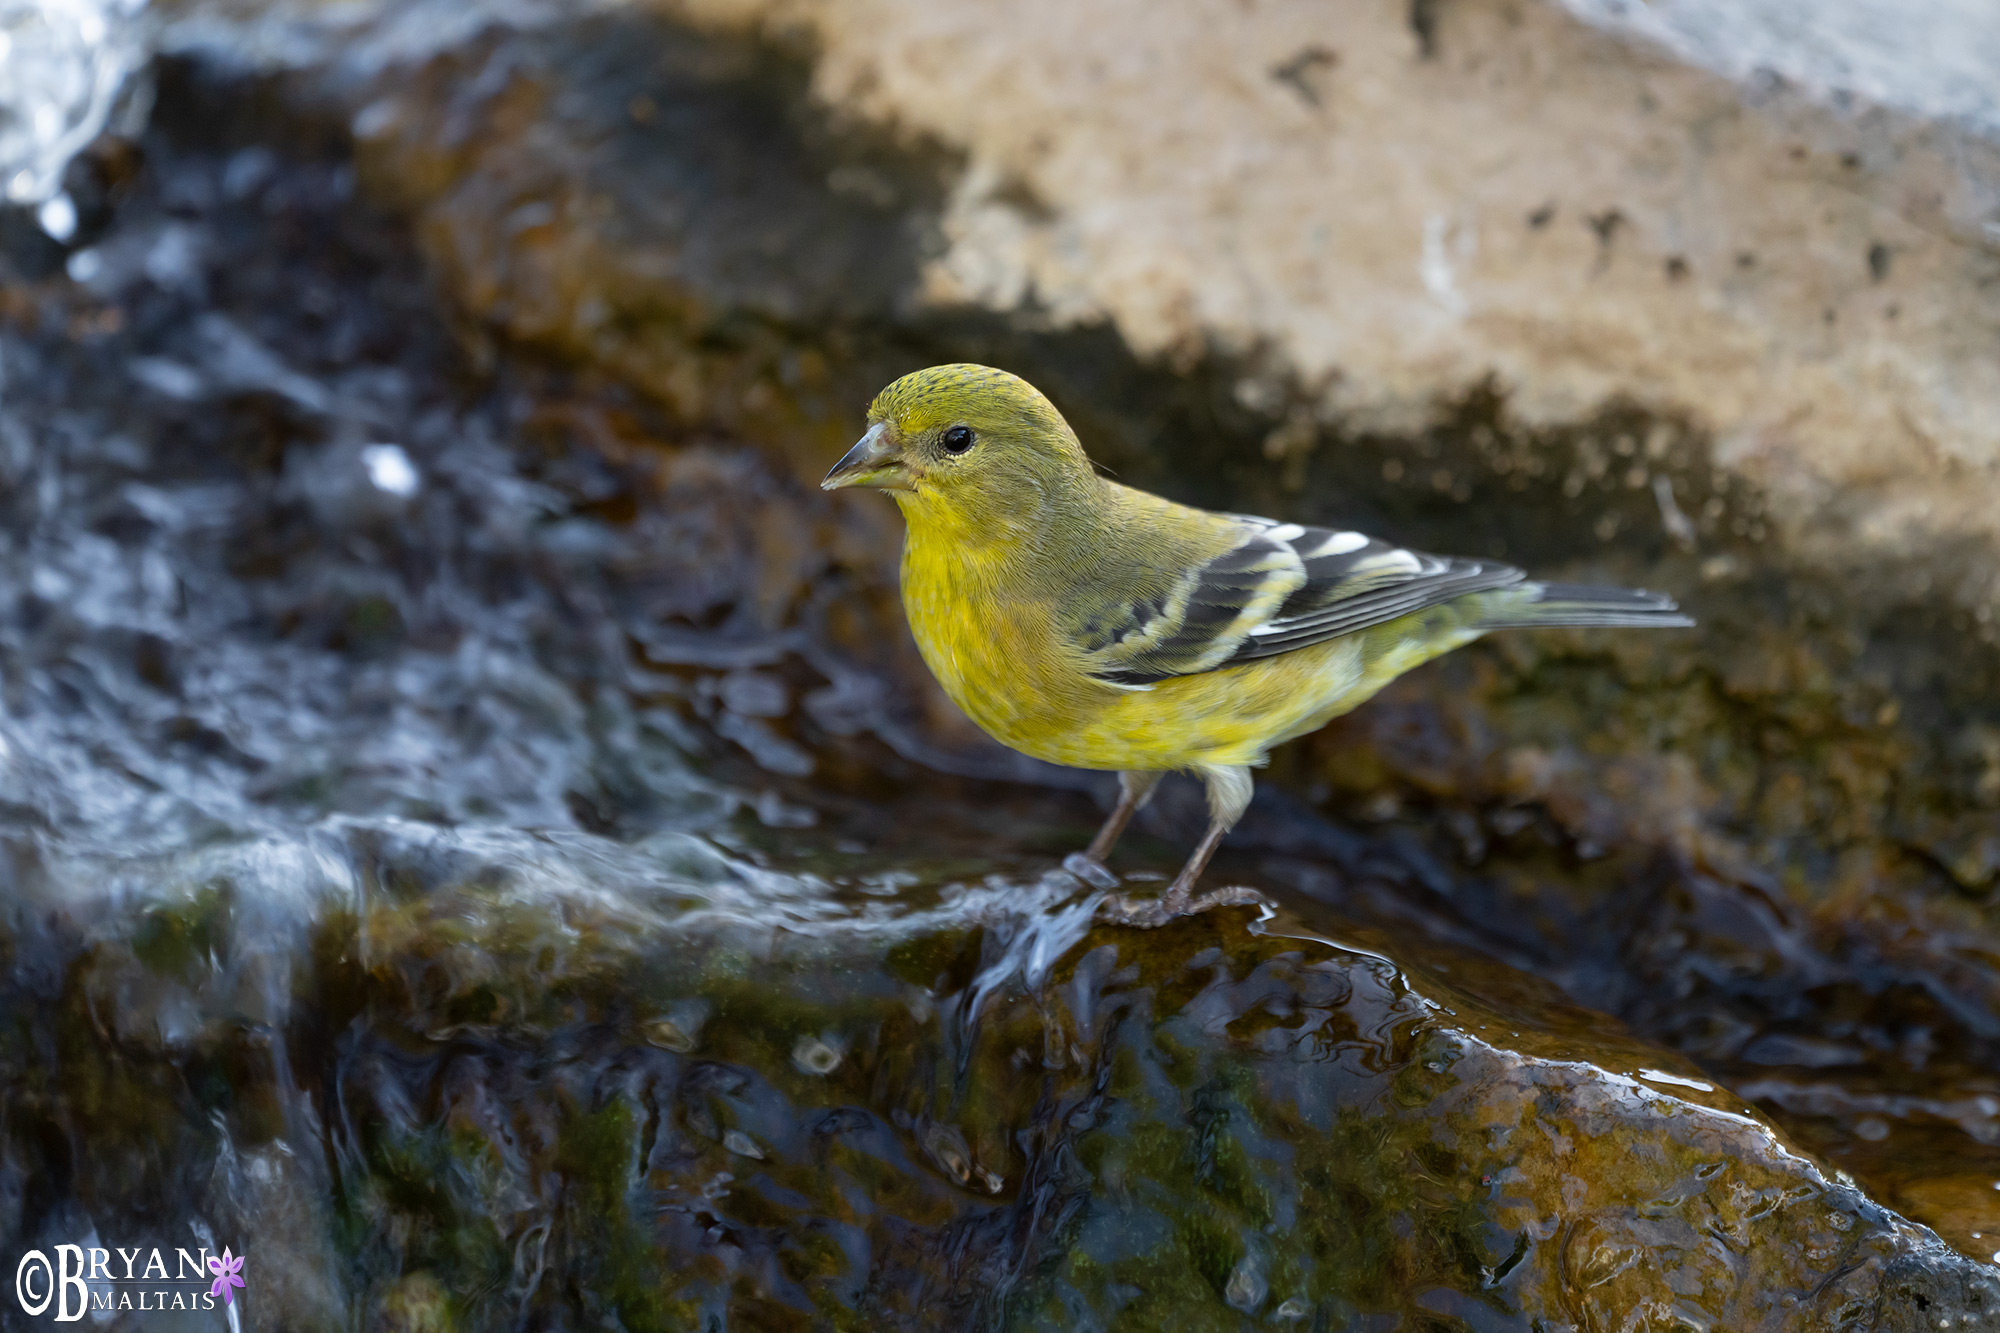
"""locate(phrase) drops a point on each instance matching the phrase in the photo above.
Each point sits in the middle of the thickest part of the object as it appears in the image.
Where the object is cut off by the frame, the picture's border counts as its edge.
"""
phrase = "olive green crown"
(925, 400)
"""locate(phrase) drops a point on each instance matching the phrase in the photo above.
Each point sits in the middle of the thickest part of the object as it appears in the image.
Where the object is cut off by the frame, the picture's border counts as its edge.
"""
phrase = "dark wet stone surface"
(959, 1108)
(478, 840)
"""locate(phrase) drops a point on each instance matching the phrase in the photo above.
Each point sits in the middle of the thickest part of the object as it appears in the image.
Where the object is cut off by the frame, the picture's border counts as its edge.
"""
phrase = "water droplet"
(1246, 1288)
(58, 217)
(390, 469)
(679, 1030)
(947, 1148)
(813, 1056)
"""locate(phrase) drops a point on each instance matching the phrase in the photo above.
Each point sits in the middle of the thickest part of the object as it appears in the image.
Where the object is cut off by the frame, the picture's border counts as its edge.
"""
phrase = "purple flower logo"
(227, 1270)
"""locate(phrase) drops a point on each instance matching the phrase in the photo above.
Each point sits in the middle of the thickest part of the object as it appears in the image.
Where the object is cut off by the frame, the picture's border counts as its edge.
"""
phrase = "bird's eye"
(957, 440)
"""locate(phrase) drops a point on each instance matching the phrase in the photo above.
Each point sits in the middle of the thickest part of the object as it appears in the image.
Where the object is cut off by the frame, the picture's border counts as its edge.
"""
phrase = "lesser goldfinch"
(1091, 624)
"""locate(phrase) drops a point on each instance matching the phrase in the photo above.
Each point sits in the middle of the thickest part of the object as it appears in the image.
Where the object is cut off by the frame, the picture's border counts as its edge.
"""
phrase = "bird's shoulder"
(1151, 585)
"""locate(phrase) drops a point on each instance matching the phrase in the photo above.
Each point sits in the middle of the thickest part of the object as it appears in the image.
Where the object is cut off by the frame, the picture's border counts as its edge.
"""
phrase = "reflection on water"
(452, 854)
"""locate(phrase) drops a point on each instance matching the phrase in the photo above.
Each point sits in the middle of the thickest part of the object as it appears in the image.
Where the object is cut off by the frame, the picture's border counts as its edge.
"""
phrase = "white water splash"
(62, 63)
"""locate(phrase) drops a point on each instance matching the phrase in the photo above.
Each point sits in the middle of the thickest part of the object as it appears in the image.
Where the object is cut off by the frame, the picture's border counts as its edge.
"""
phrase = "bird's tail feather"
(1581, 605)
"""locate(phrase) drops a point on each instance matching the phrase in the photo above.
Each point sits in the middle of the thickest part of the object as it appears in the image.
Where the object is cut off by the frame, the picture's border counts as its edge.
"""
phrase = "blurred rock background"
(1696, 297)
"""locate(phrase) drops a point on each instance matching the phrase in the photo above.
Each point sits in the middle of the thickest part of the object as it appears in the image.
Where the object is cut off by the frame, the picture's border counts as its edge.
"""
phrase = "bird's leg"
(1134, 790)
(1181, 892)
(1228, 796)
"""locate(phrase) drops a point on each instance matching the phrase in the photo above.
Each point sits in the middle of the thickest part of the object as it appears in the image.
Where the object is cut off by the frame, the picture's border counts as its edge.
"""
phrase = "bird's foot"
(1174, 904)
(1090, 870)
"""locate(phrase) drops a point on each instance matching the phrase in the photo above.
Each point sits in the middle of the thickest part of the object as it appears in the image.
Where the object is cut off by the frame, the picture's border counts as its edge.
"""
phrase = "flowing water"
(459, 855)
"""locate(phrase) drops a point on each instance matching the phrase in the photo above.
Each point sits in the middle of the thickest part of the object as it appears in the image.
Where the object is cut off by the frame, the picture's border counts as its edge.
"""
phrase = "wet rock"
(1076, 1128)
(474, 822)
(1800, 788)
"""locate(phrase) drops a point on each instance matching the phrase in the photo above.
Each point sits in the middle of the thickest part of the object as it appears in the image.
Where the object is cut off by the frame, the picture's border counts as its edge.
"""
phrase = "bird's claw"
(1090, 871)
(1119, 910)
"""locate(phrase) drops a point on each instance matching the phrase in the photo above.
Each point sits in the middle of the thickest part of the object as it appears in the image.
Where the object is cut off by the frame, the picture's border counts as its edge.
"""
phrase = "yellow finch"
(1090, 624)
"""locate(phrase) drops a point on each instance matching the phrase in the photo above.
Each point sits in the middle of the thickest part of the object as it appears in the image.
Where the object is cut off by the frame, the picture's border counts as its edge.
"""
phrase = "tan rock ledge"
(1404, 200)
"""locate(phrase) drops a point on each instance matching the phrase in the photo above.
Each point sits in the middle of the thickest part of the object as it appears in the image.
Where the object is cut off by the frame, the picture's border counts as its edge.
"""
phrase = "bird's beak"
(874, 461)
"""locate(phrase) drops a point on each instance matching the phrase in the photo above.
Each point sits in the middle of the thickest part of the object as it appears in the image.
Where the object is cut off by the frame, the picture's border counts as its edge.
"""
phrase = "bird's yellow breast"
(994, 645)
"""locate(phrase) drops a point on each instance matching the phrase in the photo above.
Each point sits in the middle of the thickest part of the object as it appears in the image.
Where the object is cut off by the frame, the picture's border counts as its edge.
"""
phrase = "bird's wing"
(1282, 587)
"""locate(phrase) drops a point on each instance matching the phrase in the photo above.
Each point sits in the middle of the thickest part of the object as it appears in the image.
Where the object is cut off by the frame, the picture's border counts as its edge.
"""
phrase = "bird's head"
(971, 441)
